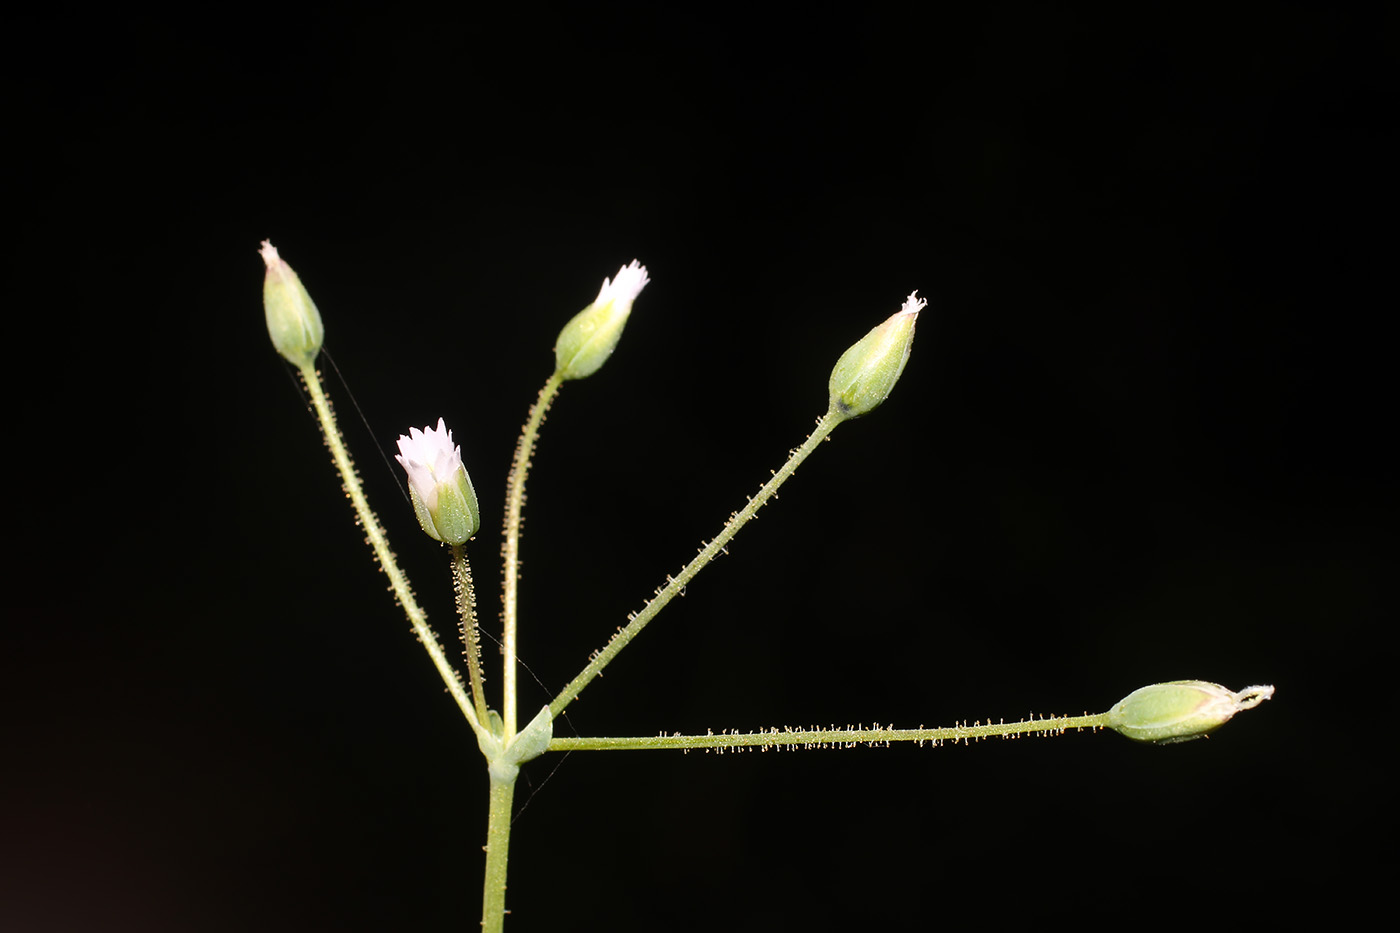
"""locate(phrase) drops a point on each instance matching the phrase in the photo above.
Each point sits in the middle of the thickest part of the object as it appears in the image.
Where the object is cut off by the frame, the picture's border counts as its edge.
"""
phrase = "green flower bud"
(292, 319)
(866, 373)
(1181, 710)
(589, 338)
(441, 490)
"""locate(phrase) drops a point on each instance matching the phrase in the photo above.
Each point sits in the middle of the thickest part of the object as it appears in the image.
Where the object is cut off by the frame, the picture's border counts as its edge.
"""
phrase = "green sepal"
(488, 737)
(425, 518)
(293, 322)
(866, 373)
(1176, 711)
(586, 342)
(458, 516)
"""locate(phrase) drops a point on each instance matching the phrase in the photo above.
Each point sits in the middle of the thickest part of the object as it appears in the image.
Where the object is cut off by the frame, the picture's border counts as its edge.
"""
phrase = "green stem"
(466, 609)
(674, 585)
(515, 501)
(493, 895)
(791, 739)
(350, 482)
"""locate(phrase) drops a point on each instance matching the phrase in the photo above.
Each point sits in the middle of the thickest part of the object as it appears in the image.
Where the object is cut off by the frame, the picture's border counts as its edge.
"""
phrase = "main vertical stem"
(493, 895)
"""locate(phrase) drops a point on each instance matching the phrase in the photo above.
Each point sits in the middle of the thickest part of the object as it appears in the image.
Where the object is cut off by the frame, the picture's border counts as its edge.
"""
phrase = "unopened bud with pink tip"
(293, 322)
(438, 483)
(866, 373)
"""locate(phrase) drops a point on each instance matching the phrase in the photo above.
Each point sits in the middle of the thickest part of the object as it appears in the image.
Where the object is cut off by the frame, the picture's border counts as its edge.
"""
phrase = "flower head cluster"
(441, 490)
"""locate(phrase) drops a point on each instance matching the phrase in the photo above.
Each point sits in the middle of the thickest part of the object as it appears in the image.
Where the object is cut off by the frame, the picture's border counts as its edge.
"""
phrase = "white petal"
(429, 458)
(421, 478)
(626, 285)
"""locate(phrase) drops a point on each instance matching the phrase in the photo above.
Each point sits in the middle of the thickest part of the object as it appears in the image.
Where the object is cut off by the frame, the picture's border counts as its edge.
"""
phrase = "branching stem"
(790, 738)
(676, 584)
(515, 501)
(466, 610)
(374, 533)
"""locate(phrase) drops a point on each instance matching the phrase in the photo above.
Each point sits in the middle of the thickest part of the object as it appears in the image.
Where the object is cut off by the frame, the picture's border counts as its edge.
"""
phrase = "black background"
(1143, 436)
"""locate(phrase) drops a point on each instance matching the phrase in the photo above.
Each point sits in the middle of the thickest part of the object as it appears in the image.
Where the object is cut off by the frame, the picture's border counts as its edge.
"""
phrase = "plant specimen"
(446, 505)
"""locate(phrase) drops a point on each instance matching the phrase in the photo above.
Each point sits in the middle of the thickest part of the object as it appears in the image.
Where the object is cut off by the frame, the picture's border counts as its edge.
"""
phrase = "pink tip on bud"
(865, 374)
(293, 322)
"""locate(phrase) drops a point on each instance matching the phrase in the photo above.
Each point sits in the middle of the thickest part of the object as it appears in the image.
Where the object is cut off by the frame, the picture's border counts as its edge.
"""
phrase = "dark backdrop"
(1142, 436)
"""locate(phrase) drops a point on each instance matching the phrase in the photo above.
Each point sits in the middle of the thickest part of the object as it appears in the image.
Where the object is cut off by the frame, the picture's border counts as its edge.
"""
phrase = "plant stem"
(674, 585)
(493, 895)
(515, 501)
(790, 739)
(466, 609)
(374, 533)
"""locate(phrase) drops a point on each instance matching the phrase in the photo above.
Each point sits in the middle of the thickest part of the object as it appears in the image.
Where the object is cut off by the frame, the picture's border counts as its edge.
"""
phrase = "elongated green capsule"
(293, 322)
(867, 372)
(1180, 710)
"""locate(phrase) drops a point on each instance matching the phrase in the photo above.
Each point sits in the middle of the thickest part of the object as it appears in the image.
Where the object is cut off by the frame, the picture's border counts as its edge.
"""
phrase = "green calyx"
(589, 338)
(1180, 710)
(293, 322)
(457, 516)
(865, 374)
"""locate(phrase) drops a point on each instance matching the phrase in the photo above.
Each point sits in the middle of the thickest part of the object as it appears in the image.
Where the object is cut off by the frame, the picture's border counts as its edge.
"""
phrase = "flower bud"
(589, 338)
(866, 373)
(292, 319)
(1181, 710)
(441, 490)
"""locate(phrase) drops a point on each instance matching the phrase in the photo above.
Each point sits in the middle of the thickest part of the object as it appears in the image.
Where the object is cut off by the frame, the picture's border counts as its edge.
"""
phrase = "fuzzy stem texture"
(676, 584)
(515, 502)
(790, 738)
(374, 534)
(493, 894)
(466, 610)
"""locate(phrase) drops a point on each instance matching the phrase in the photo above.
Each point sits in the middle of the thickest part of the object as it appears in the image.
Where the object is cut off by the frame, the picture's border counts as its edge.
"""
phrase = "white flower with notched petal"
(441, 490)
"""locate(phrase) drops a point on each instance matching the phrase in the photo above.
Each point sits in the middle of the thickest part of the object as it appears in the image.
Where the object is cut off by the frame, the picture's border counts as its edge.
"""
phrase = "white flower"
(441, 490)
(624, 287)
(430, 458)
